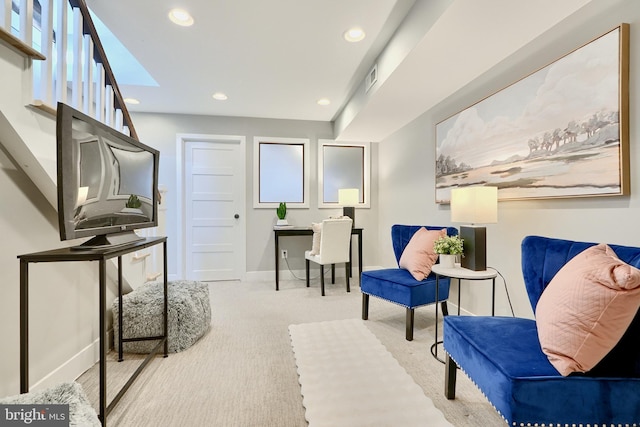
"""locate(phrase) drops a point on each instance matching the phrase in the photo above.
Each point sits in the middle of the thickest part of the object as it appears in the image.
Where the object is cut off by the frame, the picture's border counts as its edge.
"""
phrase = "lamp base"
(475, 248)
(350, 211)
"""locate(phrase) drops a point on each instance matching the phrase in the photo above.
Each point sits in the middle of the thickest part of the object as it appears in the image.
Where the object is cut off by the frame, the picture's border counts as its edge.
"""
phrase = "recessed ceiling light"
(324, 101)
(181, 17)
(354, 34)
(131, 101)
(220, 96)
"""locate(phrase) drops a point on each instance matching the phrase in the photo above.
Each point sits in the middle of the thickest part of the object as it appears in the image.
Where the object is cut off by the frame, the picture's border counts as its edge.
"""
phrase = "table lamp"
(348, 198)
(474, 205)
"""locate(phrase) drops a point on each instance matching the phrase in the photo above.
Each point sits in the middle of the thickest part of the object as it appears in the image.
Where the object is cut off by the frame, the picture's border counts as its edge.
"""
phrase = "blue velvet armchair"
(398, 286)
(503, 357)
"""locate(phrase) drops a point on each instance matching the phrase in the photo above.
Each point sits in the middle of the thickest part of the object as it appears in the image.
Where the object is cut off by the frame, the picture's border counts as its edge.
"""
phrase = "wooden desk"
(308, 231)
(102, 255)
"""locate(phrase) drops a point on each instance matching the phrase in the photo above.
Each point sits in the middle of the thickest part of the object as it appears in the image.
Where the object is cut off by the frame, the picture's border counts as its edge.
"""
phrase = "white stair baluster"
(76, 71)
(44, 87)
(5, 15)
(100, 93)
(87, 75)
(26, 21)
(61, 51)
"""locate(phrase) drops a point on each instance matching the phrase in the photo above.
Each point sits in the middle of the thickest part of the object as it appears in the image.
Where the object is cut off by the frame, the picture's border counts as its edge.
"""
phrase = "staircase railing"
(69, 62)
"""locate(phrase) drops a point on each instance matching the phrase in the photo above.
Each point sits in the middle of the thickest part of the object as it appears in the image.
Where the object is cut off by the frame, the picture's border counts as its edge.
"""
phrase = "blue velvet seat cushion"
(399, 286)
(503, 357)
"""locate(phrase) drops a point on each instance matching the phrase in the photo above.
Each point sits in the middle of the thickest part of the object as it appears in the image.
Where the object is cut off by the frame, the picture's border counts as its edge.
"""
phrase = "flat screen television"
(107, 182)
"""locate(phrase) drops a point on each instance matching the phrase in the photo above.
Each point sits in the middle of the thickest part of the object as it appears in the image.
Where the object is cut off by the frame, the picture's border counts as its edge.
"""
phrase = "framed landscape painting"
(562, 131)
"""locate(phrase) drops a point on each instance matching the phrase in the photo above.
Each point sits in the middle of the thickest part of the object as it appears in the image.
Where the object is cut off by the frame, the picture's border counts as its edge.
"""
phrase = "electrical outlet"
(284, 253)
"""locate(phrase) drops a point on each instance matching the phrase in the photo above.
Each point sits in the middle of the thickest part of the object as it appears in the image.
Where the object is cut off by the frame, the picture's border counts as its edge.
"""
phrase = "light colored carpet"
(243, 373)
(349, 379)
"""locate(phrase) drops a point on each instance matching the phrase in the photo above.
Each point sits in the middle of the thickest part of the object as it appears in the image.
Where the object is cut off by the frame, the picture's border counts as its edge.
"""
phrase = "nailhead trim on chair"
(542, 424)
(397, 303)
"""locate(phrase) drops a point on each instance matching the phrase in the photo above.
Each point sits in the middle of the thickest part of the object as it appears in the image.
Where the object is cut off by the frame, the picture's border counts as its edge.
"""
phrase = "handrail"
(100, 56)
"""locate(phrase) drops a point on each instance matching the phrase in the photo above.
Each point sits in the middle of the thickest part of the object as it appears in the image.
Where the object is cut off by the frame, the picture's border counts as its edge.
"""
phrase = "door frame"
(181, 142)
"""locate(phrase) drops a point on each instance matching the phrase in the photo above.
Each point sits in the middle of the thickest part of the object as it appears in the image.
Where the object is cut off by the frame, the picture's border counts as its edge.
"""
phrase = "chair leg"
(307, 265)
(347, 269)
(365, 306)
(445, 308)
(450, 371)
(322, 278)
(333, 274)
(409, 332)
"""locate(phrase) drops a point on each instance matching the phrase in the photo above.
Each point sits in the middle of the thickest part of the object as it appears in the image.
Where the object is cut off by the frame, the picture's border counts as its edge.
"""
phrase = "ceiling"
(273, 59)
(276, 58)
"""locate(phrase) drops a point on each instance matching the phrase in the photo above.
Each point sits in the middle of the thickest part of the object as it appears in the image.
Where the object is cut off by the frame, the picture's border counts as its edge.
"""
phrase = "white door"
(213, 206)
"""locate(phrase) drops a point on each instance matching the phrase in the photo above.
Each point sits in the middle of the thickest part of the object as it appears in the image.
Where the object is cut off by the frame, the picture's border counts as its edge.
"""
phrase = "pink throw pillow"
(586, 308)
(418, 256)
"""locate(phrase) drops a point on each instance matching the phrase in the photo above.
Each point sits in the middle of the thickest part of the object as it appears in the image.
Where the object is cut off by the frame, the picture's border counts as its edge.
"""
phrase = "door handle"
(236, 216)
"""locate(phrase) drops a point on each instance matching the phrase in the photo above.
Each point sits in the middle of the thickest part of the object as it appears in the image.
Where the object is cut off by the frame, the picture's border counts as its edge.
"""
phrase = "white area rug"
(349, 379)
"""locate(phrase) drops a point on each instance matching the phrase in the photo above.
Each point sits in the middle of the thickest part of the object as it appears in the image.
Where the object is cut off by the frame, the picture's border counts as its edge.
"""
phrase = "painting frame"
(541, 137)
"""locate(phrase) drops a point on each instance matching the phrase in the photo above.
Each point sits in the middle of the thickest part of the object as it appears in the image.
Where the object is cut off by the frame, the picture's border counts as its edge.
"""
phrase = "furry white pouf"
(189, 315)
(81, 413)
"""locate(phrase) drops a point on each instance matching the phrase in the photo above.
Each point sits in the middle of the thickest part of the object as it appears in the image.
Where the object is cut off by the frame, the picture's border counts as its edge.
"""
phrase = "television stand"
(69, 254)
(108, 241)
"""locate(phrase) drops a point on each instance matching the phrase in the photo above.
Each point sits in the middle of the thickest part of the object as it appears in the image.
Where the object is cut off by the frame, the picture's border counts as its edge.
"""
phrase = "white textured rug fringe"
(348, 378)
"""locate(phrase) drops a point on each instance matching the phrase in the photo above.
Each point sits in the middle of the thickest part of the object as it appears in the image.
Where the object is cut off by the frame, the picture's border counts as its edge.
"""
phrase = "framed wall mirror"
(281, 172)
(343, 165)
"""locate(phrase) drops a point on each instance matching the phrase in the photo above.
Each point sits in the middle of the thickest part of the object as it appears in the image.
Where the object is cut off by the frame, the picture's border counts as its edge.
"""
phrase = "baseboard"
(453, 309)
(265, 276)
(75, 366)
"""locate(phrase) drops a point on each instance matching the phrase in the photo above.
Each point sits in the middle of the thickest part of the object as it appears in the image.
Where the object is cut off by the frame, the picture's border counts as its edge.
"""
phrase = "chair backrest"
(543, 257)
(402, 234)
(335, 240)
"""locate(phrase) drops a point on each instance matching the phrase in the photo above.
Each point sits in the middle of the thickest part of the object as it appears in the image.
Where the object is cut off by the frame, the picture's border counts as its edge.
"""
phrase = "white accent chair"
(335, 242)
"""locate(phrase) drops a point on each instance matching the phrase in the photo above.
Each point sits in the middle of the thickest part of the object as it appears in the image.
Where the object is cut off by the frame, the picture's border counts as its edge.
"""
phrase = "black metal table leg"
(102, 414)
(277, 261)
(166, 301)
(24, 326)
(120, 309)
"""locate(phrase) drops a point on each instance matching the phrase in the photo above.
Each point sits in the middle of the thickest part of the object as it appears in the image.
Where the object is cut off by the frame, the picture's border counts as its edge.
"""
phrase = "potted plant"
(448, 248)
(133, 205)
(281, 211)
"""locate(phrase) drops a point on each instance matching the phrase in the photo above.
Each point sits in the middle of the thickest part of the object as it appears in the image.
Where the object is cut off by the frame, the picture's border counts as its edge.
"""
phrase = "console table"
(461, 274)
(308, 231)
(100, 255)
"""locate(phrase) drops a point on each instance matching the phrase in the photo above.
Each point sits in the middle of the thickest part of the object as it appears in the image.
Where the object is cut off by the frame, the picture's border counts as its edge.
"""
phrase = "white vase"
(282, 222)
(447, 261)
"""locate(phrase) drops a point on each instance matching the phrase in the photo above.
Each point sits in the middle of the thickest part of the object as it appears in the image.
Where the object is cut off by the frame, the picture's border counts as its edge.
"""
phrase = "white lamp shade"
(474, 205)
(348, 196)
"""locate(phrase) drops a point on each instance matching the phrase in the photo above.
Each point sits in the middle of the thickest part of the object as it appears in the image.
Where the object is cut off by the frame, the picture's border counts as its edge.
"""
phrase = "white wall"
(63, 298)
(406, 173)
(161, 131)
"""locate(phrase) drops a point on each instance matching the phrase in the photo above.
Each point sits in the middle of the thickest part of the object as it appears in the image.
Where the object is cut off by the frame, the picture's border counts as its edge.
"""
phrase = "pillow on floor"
(586, 309)
(317, 233)
(418, 256)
